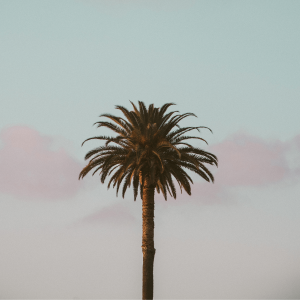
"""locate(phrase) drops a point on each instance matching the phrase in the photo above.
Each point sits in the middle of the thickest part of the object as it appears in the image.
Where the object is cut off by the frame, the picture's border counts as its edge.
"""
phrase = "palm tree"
(149, 152)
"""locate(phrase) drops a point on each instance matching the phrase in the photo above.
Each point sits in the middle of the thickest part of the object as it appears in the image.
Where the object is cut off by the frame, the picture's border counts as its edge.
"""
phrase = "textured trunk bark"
(148, 240)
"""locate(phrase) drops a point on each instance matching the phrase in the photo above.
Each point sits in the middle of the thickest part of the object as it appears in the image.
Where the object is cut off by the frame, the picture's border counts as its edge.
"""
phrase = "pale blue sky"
(235, 64)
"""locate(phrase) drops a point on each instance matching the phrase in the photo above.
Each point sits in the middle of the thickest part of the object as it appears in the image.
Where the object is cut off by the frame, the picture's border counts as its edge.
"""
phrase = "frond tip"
(150, 146)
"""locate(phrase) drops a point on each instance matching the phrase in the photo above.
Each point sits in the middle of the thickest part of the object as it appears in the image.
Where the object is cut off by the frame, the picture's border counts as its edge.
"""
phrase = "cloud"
(246, 160)
(30, 169)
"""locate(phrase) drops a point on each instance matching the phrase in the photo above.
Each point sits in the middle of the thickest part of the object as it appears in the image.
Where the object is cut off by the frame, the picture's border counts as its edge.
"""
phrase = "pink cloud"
(245, 160)
(294, 155)
(29, 168)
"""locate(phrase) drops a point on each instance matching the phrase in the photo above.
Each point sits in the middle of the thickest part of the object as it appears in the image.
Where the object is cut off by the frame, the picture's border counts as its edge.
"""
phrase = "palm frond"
(150, 147)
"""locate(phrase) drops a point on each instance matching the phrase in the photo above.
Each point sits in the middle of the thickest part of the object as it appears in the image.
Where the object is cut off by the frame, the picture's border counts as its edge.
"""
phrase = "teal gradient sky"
(233, 63)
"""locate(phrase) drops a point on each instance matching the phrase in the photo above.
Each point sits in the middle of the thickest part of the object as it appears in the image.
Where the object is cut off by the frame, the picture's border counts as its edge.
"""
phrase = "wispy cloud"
(246, 160)
(30, 169)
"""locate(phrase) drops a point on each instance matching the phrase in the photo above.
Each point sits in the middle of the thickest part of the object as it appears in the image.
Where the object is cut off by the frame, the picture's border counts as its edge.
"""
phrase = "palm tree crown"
(149, 146)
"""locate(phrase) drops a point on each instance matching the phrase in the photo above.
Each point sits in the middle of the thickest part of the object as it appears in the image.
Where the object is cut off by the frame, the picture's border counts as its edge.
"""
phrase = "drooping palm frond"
(149, 144)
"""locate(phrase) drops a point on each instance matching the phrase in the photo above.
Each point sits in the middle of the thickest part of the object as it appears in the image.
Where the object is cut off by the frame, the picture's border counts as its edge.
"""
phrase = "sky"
(234, 63)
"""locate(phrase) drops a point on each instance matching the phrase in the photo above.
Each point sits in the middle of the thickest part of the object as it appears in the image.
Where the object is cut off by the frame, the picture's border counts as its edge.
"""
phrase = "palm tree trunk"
(148, 240)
